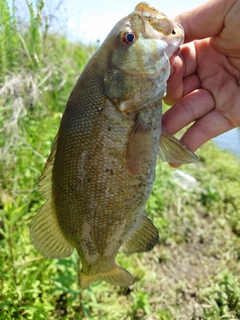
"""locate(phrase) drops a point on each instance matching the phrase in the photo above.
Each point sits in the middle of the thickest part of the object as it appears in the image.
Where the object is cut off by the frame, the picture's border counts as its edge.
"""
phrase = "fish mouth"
(157, 19)
(159, 26)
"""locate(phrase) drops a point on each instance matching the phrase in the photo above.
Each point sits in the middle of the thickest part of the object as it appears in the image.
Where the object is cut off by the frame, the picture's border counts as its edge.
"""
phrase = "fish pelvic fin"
(173, 151)
(45, 232)
(143, 238)
(117, 276)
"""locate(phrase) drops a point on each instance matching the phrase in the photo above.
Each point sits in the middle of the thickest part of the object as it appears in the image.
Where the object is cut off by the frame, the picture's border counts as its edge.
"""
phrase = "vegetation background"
(194, 270)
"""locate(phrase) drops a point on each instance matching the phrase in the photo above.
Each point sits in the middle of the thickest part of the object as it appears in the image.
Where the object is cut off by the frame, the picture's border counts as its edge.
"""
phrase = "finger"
(182, 66)
(189, 56)
(191, 83)
(205, 20)
(177, 66)
(205, 128)
(187, 110)
(177, 90)
(175, 87)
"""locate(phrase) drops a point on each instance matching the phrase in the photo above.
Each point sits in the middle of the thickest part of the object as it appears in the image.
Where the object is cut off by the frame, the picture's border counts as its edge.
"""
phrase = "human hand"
(205, 80)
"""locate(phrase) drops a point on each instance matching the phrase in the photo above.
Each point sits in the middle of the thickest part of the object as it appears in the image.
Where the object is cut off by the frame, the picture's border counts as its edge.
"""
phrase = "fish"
(100, 172)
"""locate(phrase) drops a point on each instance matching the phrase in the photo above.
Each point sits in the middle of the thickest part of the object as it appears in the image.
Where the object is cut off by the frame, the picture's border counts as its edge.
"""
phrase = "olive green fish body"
(91, 177)
(100, 172)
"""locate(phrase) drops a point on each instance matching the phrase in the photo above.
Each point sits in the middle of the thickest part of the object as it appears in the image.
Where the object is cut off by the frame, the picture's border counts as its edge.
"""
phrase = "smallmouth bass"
(100, 172)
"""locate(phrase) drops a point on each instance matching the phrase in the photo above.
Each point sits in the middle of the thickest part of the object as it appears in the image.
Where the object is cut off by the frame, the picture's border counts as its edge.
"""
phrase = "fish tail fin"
(117, 276)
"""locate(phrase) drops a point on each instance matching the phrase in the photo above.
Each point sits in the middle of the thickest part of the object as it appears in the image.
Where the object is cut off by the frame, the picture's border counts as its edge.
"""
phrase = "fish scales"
(101, 169)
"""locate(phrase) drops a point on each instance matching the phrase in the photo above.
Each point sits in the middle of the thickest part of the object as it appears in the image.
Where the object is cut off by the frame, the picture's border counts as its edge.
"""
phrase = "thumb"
(206, 20)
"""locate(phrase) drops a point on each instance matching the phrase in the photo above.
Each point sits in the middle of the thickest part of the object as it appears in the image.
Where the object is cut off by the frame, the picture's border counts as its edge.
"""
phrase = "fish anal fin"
(143, 238)
(46, 234)
(173, 151)
(139, 147)
(117, 276)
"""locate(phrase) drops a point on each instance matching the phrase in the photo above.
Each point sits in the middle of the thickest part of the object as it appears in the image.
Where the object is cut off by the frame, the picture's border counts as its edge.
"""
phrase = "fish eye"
(128, 38)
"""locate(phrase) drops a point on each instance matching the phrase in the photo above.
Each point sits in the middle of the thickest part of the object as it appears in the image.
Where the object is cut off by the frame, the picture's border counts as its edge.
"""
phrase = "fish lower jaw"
(153, 74)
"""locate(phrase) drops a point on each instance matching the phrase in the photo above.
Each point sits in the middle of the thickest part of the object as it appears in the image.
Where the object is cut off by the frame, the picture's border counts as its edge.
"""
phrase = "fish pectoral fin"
(173, 151)
(139, 147)
(117, 276)
(46, 234)
(143, 238)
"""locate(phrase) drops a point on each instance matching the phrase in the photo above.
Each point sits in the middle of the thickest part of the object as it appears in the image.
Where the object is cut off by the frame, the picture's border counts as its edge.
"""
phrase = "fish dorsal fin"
(173, 151)
(139, 147)
(45, 232)
(45, 180)
(143, 238)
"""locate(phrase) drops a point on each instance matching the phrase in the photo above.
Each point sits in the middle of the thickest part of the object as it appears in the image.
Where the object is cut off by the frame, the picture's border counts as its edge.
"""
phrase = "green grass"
(193, 272)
